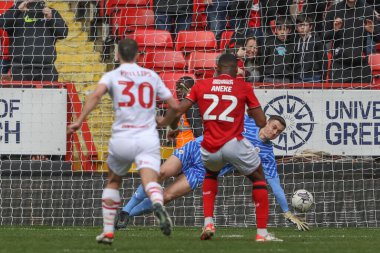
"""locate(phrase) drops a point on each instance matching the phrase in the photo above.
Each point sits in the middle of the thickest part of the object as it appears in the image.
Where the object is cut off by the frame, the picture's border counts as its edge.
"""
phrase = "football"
(302, 201)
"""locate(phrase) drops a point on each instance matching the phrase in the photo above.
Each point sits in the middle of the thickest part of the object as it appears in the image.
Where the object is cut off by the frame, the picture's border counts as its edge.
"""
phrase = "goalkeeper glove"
(301, 225)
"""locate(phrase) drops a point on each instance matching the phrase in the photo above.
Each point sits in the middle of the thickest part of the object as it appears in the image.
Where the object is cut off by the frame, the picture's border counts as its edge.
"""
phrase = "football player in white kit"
(134, 135)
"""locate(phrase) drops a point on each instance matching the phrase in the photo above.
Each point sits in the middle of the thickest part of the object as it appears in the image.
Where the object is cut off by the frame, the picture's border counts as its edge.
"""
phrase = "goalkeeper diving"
(186, 165)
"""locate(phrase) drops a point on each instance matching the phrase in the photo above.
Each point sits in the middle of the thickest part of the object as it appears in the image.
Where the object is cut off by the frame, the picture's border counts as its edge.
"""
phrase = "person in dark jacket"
(347, 25)
(315, 10)
(310, 55)
(33, 30)
(173, 15)
(237, 11)
(278, 54)
(271, 9)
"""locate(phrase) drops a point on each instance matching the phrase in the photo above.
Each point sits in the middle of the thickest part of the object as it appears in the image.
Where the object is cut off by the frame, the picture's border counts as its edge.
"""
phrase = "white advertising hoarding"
(335, 121)
(33, 121)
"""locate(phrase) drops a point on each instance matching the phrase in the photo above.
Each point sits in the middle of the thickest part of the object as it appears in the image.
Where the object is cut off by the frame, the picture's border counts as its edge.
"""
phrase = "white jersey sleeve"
(162, 91)
(106, 80)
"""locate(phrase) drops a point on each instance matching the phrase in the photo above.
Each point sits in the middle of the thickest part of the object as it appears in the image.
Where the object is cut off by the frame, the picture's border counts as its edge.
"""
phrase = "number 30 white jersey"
(134, 90)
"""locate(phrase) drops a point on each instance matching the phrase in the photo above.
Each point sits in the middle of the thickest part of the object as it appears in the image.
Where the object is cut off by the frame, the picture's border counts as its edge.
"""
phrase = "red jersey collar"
(224, 75)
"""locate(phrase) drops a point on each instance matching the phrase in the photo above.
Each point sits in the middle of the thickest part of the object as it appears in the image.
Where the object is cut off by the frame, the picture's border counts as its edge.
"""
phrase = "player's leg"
(123, 216)
(140, 203)
(209, 192)
(170, 168)
(178, 188)
(261, 201)
(110, 204)
(213, 162)
(148, 163)
(149, 179)
(119, 161)
(243, 156)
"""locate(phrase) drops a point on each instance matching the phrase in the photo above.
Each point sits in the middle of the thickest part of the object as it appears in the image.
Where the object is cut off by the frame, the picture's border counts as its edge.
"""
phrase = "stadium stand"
(189, 41)
(202, 64)
(341, 200)
(152, 40)
(129, 19)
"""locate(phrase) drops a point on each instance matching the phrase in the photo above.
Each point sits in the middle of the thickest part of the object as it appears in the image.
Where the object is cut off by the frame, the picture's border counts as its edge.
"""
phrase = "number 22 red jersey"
(222, 102)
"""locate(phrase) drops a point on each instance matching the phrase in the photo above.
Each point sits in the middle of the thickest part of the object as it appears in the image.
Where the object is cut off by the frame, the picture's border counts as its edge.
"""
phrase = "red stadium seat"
(130, 19)
(374, 63)
(170, 78)
(152, 40)
(4, 39)
(203, 65)
(189, 41)
(378, 48)
(112, 5)
(225, 39)
(5, 5)
(164, 61)
(132, 3)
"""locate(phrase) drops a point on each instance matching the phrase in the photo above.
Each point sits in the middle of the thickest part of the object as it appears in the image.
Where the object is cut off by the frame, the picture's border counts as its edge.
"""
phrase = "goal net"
(315, 63)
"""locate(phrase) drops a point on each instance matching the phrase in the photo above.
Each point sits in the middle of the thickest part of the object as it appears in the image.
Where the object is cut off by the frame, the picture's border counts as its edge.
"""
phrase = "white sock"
(155, 192)
(209, 220)
(262, 231)
(109, 211)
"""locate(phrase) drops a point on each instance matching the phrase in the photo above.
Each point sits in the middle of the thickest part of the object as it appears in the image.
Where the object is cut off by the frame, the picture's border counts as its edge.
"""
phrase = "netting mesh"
(322, 45)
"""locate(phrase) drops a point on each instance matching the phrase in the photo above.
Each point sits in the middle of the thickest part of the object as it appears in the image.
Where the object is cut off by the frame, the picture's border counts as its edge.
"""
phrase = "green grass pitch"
(145, 240)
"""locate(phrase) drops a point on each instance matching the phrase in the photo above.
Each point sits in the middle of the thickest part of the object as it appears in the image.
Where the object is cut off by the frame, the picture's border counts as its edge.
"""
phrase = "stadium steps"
(78, 62)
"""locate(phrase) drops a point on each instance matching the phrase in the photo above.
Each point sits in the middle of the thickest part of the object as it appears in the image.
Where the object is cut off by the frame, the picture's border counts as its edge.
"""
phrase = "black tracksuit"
(310, 58)
(195, 120)
(271, 9)
(278, 58)
(349, 62)
(315, 9)
(32, 43)
(174, 6)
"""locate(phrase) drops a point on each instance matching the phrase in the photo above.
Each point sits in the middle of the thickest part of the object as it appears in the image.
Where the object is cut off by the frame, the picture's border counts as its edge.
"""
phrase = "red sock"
(260, 198)
(209, 189)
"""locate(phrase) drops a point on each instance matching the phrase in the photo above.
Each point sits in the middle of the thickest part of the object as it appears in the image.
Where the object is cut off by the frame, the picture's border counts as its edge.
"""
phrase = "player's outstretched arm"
(281, 199)
(92, 101)
(174, 111)
(300, 224)
(258, 115)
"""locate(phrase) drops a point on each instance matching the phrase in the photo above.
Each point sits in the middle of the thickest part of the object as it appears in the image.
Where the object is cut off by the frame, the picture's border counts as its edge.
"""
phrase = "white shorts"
(145, 152)
(242, 155)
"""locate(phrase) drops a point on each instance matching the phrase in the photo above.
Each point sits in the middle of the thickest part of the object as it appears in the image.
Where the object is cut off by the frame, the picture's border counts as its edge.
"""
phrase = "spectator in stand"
(278, 54)
(190, 125)
(236, 47)
(253, 61)
(375, 5)
(254, 23)
(173, 15)
(4, 54)
(249, 58)
(347, 25)
(310, 56)
(33, 29)
(271, 9)
(371, 45)
(237, 11)
(315, 9)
